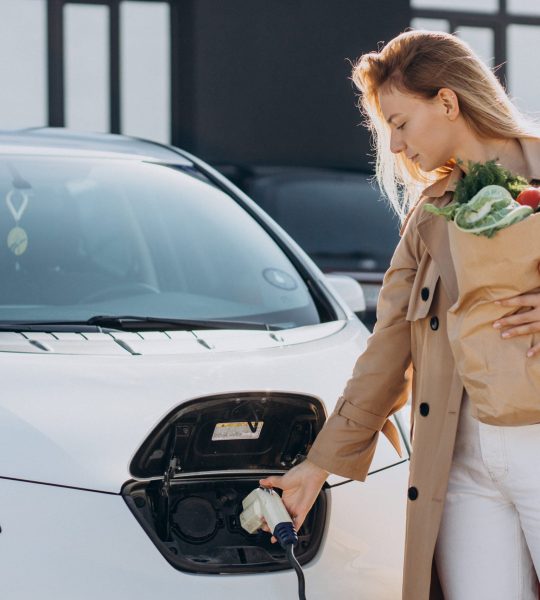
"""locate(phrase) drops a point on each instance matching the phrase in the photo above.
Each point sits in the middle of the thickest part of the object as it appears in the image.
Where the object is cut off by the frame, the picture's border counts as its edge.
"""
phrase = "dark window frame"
(498, 21)
(182, 107)
(56, 53)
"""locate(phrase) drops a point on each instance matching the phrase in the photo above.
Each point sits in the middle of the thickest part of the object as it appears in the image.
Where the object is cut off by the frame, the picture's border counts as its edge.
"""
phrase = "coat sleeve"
(378, 385)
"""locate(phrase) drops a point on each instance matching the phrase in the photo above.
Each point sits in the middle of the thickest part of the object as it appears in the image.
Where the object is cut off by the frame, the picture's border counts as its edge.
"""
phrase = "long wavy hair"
(420, 62)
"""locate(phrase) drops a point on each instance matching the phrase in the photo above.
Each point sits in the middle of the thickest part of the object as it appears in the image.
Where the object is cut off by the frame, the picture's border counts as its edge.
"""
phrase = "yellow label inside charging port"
(241, 430)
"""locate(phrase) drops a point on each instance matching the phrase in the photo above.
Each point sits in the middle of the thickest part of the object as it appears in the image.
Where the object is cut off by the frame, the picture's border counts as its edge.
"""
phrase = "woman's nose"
(396, 145)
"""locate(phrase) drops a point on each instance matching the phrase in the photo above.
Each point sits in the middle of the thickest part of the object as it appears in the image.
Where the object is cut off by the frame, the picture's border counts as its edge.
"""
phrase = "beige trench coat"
(418, 289)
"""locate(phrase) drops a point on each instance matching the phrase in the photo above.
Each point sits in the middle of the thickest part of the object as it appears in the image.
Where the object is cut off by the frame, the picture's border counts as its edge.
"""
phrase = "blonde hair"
(420, 62)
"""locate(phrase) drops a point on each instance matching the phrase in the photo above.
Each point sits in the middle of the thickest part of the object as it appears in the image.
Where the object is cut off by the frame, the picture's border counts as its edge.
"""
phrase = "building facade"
(245, 81)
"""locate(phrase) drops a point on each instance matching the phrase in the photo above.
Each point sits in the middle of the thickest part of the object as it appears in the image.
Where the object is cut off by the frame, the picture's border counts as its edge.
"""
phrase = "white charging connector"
(264, 504)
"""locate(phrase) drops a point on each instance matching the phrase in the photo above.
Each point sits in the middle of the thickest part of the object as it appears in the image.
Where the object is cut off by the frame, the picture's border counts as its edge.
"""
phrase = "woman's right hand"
(301, 486)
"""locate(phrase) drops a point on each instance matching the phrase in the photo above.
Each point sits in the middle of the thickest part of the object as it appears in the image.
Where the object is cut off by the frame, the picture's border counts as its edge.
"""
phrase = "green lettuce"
(489, 210)
(484, 199)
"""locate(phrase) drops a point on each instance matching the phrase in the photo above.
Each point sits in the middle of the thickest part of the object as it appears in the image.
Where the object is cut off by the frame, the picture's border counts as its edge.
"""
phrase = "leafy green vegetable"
(480, 175)
(448, 211)
(484, 199)
(490, 209)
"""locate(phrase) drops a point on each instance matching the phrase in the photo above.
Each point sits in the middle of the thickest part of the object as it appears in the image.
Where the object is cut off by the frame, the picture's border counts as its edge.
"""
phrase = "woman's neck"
(508, 153)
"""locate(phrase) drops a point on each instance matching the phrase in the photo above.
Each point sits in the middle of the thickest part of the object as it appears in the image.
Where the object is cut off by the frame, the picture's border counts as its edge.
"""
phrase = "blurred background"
(258, 88)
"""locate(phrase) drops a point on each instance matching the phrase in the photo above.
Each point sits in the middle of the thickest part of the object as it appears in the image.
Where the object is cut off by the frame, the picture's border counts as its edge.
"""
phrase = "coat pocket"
(423, 289)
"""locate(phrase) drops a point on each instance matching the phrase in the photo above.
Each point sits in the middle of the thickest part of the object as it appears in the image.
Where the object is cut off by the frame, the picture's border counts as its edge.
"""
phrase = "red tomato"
(530, 197)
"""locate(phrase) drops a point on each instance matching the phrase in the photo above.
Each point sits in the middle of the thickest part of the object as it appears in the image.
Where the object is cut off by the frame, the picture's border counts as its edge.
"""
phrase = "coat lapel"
(433, 229)
(434, 233)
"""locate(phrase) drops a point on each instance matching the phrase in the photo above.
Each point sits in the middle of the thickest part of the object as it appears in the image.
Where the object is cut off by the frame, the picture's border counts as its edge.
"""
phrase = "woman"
(473, 516)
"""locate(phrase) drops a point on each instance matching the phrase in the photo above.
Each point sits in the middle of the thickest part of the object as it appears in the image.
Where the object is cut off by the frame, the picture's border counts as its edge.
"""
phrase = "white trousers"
(488, 546)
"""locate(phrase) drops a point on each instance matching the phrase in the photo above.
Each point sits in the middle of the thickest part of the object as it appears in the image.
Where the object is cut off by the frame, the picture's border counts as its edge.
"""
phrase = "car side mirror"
(349, 290)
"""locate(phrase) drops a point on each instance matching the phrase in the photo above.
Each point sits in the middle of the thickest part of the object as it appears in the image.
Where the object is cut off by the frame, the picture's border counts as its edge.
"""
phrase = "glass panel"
(23, 70)
(86, 38)
(431, 24)
(455, 5)
(523, 66)
(481, 40)
(129, 237)
(145, 70)
(523, 7)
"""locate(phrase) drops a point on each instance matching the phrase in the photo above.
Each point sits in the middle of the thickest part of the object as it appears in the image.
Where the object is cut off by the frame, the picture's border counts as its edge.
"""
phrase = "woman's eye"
(401, 126)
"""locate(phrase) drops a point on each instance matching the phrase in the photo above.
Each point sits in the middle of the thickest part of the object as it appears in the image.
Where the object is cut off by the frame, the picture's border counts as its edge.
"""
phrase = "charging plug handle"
(264, 504)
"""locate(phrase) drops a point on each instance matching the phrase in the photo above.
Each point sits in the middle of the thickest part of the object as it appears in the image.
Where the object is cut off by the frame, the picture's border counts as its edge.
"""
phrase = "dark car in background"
(337, 217)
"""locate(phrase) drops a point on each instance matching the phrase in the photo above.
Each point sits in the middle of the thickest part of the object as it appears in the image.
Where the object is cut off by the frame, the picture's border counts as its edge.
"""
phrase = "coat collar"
(433, 229)
(444, 184)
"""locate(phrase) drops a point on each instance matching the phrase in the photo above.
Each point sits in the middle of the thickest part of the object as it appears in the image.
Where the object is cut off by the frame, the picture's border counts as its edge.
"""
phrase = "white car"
(163, 345)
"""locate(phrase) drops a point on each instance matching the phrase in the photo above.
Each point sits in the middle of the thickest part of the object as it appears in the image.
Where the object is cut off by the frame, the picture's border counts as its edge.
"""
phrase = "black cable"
(286, 535)
(300, 574)
(370, 473)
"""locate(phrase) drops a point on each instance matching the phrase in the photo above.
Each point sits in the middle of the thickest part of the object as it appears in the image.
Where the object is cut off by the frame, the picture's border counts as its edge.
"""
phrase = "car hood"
(119, 343)
(76, 413)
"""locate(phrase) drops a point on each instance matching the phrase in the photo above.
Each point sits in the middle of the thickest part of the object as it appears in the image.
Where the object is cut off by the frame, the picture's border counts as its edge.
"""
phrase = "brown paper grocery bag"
(502, 382)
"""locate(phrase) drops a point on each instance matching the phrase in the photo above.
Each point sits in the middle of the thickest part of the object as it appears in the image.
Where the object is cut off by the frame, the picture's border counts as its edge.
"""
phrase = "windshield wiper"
(47, 326)
(134, 322)
(131, 323)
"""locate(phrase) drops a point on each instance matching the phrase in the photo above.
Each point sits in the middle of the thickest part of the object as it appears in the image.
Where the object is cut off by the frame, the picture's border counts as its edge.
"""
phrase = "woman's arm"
(378, 386)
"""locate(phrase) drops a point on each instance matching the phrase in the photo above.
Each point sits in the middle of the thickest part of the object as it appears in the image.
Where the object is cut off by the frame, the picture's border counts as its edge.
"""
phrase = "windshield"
(84, 237)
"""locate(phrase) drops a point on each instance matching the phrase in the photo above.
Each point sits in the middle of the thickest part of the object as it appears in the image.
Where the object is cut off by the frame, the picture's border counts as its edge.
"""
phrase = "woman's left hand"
(523, 323)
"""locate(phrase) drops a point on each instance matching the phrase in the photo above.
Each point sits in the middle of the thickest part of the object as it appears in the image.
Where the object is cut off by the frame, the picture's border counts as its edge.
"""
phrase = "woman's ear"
(449, 102)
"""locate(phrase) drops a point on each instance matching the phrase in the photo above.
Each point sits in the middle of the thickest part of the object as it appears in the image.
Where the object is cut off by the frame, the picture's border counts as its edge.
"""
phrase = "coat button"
(412, 493)
(434, 323)
(424, 293)
(424, 409)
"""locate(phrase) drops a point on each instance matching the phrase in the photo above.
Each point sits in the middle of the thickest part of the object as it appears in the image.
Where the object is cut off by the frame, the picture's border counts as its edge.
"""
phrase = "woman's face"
(426, 131)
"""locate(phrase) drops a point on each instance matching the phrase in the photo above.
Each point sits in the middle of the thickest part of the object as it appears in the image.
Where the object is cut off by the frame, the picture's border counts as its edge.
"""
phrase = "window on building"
(23, 69)
(504, 33)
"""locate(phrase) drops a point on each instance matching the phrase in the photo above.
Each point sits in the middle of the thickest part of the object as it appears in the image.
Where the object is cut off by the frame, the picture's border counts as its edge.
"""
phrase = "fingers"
(521, 323)
(527, 329)
(273, 481)
(517, 319)
(522, 300)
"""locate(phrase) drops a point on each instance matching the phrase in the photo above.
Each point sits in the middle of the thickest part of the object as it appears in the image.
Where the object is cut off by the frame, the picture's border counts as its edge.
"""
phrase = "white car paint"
(67, 544)
(73, 416)
(80, 416)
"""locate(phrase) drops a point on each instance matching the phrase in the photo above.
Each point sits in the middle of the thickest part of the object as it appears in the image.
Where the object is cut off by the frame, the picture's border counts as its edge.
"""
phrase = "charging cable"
(264, 504)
